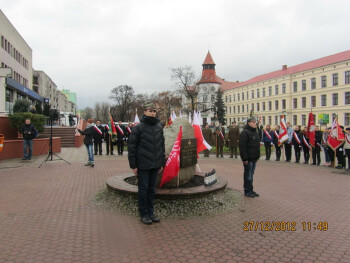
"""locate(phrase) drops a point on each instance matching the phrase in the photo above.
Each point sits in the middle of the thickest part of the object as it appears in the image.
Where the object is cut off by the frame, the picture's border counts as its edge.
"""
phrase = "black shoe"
(318, 164)
(297, 162)
(255, 193)
(222, 156)
(339, 166)
(249, 194)
(146, 220)
(95, 153)
(230, 157)
(29, 158)
(236, 157)
(154, 218)
(101, 154)
(92, 165)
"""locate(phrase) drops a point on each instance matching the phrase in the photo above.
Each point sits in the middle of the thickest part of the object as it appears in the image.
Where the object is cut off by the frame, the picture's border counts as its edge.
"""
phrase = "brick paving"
(46, 216)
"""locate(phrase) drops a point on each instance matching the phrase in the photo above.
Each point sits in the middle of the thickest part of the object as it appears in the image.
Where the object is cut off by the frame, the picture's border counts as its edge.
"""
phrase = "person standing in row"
(29, 133)
(296, 141)
(120, 137)
(220, 140)
(249, 149)
(288, 143)
(233, 138)
(207, 135)
(128, 131)
(98, 139)
(325, 146)
(347, 146)
(146, 154)
(276, 133)
(108, 140)
(306, 146)
(316, 151)
(267, 140)
(89, 133)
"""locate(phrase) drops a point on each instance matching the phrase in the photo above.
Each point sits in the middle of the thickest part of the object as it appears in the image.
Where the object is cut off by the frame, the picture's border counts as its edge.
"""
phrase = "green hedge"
(18, 119)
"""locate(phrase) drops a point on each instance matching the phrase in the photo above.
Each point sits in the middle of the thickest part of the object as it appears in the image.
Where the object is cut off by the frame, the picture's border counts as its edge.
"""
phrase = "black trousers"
(267, 150)
(147, 180)
(316, 155)
(206, 152)
(220, 151)
(297, 152)
(288, 151)
(278, 152)
(347, 153)
(340, 156)
(120, 145)
(306, 154)
(98, 147)
(109, 146)
(233, 150)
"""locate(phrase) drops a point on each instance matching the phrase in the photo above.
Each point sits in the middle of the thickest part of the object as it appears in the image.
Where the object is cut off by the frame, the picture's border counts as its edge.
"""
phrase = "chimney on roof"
(284, 67)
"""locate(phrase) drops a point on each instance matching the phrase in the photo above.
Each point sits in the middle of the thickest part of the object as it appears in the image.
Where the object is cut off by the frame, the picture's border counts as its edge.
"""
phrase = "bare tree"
(102, 111)
(166, 101)
(87, 113)
(97, 111)
(184, 78)
(124, 96)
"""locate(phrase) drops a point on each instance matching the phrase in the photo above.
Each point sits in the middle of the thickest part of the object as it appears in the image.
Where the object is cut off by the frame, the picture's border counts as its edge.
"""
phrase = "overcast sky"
(91, 46)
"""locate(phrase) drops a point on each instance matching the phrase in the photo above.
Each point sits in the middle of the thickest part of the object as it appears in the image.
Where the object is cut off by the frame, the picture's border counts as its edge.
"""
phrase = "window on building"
(335, 79)
(270, 91)
(258, 106)
(226, 99)
(263, 106)
(276, 90)
(323, 100)
(20, 96)
(230, 98)
(283, 104)
(295, 86)
(270, 120)
(303, 84)
(9, 95)
(347, 97)
(335, 99)
(229, 108)
(247, 95)
(295, 119)
(242, 95)
(347, 77)
(242, 108)
(2, 41)
(270, 105)
(238, 118)
(263, 120)
(276, 104)
(313, 83)
(323, 81)
(238, 109)
(303, 120)
(283, 88)
(234, 109)
(238, 97)
(295, 103)
(313, 101)
(234, 97)
(252, 94)
(258, 93)
(263, 92)
(303, 102)
(276, 120)
(252, 107)
(247, 108)
(347, 119)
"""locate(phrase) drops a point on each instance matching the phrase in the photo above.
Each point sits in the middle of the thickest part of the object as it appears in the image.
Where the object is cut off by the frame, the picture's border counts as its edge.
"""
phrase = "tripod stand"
(49, 156)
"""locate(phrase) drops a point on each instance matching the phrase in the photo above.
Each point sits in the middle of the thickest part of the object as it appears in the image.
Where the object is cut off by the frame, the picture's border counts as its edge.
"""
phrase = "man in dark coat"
(29, 133)
(297, 143)
(233, 138)
(276, 133)
(306, 145)
(98, 139)
(267, 139)
(219, 140)
(207, 135)
(89, 132)
(316, 151)
(146, 154)
(121, 131)
(249, 149)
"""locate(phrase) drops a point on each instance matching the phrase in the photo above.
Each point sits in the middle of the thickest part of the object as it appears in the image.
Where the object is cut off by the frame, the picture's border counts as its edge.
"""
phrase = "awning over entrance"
(17, 86)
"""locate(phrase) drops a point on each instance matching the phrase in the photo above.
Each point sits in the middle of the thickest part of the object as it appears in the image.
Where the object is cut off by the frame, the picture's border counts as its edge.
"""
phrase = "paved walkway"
(46, 216)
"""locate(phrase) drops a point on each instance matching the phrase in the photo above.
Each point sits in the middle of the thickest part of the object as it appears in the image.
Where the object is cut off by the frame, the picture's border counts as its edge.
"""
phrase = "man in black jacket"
(89, 132)
(316, 151)
(98, 139)
(29, 132)
(249, 149)
(146, 153)
(121, 132)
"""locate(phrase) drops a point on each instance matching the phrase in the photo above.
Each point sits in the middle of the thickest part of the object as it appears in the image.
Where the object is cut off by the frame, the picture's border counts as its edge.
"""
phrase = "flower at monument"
(172, 166)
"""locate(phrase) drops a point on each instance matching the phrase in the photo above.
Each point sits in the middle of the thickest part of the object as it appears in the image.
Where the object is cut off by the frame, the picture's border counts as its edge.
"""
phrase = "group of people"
(96, 134)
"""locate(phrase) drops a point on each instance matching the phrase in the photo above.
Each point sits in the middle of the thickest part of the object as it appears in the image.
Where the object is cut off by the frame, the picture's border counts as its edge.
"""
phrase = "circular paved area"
(45, 216)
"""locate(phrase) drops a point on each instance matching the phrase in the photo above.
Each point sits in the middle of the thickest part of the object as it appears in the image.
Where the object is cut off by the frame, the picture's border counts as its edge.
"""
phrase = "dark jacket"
(146, 149)
(276, 138)
(207, 135)
(265, 138)
(89, 133)
(300, 137)
(233, 136)
(120, 136)
(97, 136)
(28, 131)
(249, 144)
(318, 138)
(220, 142)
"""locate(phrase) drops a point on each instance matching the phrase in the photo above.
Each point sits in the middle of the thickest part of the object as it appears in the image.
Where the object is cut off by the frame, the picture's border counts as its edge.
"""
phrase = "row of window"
(277, 91)
(17, 77)
(268, 106)
(267, 120)
(7, 46)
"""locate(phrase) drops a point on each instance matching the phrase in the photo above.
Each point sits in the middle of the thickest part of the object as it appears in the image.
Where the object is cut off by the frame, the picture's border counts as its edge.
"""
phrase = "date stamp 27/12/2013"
(284, 226)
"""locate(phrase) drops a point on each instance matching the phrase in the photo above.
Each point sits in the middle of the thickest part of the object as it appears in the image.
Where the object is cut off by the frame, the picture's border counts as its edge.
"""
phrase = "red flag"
(201, 143)
(283, 135)
(311, 130)
(336, 136)
(172, 166)
(112, 131)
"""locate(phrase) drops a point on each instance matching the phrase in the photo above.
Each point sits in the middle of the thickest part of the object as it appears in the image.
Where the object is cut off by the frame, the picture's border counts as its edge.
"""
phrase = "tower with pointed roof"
(208, 72)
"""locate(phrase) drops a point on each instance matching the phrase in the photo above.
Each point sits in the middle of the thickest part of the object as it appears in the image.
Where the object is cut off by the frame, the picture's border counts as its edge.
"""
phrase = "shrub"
(18, 119)
(21, 106)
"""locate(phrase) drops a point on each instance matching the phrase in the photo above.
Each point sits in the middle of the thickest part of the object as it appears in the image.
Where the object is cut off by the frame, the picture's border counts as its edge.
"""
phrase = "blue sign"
(17, 86)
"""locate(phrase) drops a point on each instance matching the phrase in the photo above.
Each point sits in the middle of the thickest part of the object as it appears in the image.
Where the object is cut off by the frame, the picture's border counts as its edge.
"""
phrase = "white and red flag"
(336, 136)
(201, 143)
(172, 166)
(311, 130)
(136, 120)
(283, 135)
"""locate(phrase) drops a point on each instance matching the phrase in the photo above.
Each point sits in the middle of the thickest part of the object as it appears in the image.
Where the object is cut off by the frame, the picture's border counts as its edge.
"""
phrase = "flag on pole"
(136, 120)
(172, 166)
(336, 136)
(311, 130)
(283, 135)
(112, 131)
(201, 143)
